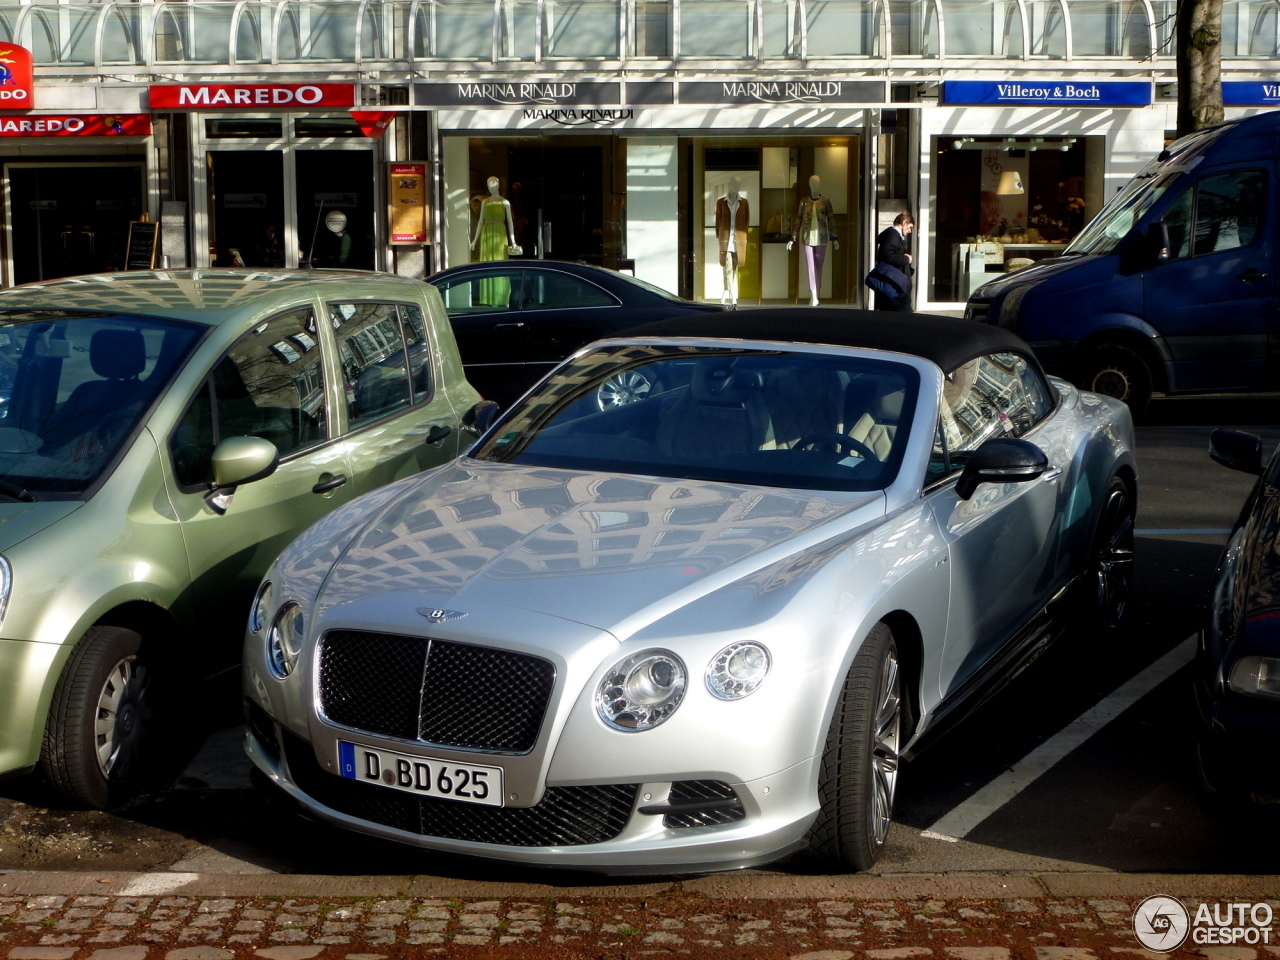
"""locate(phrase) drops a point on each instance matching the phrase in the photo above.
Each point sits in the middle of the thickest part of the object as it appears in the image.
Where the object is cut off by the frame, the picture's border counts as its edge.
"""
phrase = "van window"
(1221, 212)
(1229, 210)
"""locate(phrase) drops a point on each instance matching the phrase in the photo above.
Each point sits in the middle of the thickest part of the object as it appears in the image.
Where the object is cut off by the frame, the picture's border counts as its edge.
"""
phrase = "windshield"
(772, 418)
(1116, 219)
(72, 389)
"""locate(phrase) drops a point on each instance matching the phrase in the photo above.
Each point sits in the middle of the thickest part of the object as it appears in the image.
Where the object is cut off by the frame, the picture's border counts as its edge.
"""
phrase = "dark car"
(516, 319)
(1237, 677)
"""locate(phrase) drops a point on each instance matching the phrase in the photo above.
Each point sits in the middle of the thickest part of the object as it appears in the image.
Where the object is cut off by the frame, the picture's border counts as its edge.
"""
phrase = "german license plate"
(424, 776)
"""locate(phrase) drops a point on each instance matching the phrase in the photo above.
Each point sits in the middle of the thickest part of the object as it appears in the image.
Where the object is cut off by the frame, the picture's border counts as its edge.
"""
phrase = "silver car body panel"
(807, 574)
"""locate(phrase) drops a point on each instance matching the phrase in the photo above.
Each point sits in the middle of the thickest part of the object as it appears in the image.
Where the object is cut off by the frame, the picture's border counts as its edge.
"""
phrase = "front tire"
(859, 773)
(1116, 371)
(1111, 556)
(99, 720)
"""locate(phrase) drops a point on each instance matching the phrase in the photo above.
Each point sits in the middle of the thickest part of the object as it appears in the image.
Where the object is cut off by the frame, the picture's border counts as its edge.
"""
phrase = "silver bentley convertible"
(700, 629)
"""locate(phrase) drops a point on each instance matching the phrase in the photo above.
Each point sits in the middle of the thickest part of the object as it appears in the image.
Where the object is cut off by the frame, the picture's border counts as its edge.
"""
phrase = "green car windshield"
(817, 421)
(73, 389)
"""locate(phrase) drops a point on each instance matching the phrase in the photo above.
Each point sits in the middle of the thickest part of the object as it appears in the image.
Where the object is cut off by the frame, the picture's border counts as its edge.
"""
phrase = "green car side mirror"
(238, 460)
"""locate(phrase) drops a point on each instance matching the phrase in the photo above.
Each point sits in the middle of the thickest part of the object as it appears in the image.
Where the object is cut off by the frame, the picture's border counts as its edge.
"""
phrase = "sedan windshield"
(72, 390)
(773, 418)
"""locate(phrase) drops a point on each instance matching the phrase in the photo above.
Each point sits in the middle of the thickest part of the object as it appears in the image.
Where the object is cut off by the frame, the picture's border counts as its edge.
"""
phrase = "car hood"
(18, 521)
(1028, 276)
(608, 551)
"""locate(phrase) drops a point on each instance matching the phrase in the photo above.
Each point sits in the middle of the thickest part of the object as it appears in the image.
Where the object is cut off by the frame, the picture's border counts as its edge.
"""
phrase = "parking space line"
(963, 819)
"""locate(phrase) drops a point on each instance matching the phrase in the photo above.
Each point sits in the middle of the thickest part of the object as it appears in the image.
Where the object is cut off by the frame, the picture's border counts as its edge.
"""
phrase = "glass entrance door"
(271, 183)
(70, 219)
(329, 183)
(246, 208)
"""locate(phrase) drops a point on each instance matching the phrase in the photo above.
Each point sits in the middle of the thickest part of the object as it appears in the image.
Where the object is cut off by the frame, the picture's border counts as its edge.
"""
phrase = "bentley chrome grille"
(437, 691)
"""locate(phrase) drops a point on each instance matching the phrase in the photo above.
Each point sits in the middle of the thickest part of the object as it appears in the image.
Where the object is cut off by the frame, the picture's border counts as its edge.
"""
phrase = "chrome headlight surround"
(738, 670)
(284, 640)
(641, 691)
(261, 604)
(1256, 676)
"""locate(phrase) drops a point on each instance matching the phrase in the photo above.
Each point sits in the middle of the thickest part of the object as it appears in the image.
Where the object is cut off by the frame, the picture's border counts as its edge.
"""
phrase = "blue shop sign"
(1250, 93)
(1085, 93)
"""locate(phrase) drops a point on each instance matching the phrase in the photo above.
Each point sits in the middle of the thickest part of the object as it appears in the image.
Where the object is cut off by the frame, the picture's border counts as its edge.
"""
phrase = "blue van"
(1172, 287)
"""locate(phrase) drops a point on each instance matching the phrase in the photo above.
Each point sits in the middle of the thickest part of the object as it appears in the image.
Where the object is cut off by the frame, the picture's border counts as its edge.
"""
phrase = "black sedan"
(516, 319)
(1237, 677)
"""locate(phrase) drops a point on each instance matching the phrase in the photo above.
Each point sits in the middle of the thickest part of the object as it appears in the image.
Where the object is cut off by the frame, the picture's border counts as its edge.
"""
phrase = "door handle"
(335, 481)
(1051, 475)
(509, 326)
(1252, 276)
(438, 432)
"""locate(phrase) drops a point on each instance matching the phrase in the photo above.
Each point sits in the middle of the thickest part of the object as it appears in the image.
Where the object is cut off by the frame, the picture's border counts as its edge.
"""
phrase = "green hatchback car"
(163, 436)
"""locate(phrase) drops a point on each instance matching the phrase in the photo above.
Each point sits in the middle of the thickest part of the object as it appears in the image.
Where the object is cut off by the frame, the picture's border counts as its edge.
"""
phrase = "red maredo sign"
(17, 89)
(77, 125)
(251, 96)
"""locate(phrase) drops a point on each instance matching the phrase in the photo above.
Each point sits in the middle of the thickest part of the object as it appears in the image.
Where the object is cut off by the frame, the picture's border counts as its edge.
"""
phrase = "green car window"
(74, 388)
(270, 385)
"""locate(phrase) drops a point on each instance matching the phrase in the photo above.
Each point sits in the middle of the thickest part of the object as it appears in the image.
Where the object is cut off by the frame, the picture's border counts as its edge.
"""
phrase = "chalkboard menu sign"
(144, 242)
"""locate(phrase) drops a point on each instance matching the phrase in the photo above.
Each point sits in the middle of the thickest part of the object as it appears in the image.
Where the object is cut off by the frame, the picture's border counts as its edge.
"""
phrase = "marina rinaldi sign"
(253, 96)
(1083, 93)
(725, 93)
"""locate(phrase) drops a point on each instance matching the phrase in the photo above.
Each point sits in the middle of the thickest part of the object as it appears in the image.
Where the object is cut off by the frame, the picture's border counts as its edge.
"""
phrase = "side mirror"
(1002, 460)
(1162, 248)
(1237, 450)
(480, 417)
(238, 460)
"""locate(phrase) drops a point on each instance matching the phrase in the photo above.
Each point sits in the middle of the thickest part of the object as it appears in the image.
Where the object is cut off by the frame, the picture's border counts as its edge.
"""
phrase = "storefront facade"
(612, 126)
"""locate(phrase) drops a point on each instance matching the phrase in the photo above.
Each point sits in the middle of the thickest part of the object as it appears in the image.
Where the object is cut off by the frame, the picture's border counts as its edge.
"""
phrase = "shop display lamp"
(1010, 183)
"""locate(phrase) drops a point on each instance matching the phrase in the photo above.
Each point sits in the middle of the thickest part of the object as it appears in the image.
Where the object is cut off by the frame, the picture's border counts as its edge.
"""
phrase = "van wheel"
(1116, 371)
(99, 720)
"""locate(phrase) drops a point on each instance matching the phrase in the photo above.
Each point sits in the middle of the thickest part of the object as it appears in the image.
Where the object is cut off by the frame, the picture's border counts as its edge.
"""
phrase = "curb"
(740, 886)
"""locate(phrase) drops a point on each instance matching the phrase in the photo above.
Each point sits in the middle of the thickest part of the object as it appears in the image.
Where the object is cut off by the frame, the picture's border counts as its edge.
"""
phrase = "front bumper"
(28, 674)
(606, 828)
(1242, 732)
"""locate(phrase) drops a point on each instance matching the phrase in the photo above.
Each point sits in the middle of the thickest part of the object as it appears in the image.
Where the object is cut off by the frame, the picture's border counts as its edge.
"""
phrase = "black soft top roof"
(947, 341)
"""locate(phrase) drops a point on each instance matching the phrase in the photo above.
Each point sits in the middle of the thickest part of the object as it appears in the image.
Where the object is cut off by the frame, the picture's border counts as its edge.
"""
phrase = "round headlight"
(284, 640)
(737, 670)
(642, 691)
(261, 603)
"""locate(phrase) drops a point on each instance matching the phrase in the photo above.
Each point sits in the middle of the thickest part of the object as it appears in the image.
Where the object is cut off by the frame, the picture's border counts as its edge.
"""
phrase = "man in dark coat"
(891, 248)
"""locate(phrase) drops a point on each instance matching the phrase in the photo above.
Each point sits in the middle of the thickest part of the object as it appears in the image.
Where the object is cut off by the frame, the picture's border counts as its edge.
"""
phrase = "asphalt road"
(1124, 799)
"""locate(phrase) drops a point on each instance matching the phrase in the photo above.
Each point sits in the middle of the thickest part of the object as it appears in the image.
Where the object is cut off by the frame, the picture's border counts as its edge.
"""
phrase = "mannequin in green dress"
(495, 232)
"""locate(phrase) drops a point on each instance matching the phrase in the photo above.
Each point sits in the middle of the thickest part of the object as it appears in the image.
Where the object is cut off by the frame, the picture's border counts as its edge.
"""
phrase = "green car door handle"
(332, 483)
(438, 432)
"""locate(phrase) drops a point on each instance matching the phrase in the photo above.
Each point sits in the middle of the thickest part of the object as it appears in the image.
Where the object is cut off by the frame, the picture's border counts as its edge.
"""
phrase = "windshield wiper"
(17, 492)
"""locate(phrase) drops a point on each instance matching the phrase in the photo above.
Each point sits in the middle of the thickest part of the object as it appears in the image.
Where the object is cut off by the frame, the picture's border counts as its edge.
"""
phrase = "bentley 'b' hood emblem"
(437, 615)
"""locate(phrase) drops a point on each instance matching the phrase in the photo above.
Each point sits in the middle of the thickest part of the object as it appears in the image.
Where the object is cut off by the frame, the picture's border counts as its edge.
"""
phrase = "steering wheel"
(845, 443)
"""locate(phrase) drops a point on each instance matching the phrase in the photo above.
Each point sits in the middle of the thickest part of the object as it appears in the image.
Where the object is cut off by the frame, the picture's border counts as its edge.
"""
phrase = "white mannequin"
(728, 233)
(494, 197)
(814, 227)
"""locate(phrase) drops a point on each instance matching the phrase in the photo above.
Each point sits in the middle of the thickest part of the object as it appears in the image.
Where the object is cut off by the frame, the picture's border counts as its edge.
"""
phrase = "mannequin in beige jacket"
(733, 215)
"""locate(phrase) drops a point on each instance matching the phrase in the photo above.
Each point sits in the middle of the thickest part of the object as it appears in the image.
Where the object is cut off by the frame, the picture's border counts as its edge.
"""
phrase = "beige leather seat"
(722, 414)
(802, 403)
(875, 415)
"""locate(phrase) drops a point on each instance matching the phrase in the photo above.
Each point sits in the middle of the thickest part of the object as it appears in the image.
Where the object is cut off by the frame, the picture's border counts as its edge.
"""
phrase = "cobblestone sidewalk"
(90, 927)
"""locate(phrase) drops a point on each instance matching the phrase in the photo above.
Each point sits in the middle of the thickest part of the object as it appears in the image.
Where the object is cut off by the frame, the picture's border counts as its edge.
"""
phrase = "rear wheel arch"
(1147, 350)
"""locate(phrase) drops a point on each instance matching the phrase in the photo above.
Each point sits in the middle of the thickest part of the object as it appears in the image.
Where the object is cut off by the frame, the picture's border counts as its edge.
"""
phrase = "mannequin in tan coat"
(733, 215)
